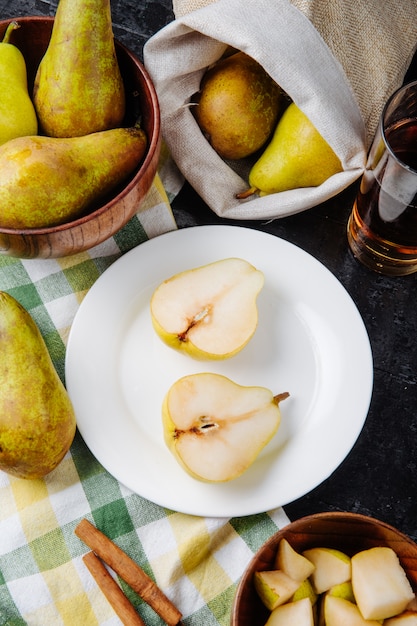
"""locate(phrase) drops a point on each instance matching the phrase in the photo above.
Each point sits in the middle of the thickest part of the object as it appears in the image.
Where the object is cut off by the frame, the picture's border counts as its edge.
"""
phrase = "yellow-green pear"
(238, 106)
(78, 87)
(47, 181)
(37, 421)
(297, 156)
(17, 113)
(208, 312)
(216, 428)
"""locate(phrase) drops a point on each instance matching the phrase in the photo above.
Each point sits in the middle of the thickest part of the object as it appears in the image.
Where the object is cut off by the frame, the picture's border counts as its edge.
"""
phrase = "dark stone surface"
(133, 22)
(379, 476)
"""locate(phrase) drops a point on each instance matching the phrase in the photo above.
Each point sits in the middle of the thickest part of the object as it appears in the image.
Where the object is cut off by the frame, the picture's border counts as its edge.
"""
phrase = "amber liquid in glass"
(382, 229)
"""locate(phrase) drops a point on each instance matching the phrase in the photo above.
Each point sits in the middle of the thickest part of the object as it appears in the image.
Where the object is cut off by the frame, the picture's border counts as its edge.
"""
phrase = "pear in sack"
(78, 87)
(17, 113)
(238, 106)
(46, 181)
(297, 156)
(37, 421)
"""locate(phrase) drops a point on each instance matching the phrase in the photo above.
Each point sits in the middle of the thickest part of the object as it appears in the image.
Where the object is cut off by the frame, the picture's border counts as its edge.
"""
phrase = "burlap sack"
(338, 61)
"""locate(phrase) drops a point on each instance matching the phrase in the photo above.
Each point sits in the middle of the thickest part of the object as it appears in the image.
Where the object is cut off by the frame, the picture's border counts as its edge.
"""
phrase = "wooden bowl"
(349, 532)
(32, 39)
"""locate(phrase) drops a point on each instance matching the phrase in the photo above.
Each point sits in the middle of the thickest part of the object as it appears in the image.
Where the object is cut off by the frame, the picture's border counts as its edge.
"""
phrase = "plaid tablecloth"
(43, 580)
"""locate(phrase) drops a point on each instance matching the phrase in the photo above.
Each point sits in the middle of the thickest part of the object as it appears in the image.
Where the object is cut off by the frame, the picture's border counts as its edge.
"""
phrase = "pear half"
(209, 312)
(216, 428)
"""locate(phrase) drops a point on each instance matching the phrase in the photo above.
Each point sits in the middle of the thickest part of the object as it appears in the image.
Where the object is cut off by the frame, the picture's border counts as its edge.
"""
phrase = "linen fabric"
(43, 579)
(337, 61)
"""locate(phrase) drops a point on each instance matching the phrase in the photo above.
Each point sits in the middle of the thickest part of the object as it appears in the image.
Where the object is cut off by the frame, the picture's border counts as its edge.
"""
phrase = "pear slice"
(209, 312)
(298, 613)
(380, 583)
(216, 428)
(292, 562)
(341, 612)
(332, 567)
(408, 618)
(274, 588)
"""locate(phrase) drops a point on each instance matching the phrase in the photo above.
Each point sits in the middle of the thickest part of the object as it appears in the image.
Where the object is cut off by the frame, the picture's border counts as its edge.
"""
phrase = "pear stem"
(281, 396)
(247, 193)
(11, 27)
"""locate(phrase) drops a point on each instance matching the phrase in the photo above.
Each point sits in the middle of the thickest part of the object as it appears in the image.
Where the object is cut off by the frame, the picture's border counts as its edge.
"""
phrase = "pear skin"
(37, 421)
(48, 181)
(238, 106)
(17, 113)
(297, 156)
(78, 87)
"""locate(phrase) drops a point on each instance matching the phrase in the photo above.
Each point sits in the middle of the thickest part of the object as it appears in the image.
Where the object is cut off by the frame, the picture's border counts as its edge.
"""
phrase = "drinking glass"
(382, 228)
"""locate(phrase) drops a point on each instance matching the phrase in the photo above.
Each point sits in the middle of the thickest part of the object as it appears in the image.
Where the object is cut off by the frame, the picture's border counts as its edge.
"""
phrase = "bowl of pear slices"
(329, 569)
(81, 174)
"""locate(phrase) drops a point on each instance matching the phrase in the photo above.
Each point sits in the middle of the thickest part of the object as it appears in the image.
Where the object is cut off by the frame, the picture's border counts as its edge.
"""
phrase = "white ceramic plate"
(310, 341)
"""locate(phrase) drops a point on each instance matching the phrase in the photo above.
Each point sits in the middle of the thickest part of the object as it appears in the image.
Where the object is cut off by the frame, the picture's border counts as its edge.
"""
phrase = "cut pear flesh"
(367, 589)
(274, 588)
(292, 563)
(299, 613)
(332, 567)
(380, 584)
(209, 311)
(216, 428)
(341, 612)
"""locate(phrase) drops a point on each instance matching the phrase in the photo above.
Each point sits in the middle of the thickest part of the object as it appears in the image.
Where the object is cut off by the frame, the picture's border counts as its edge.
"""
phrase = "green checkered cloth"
(43, 579)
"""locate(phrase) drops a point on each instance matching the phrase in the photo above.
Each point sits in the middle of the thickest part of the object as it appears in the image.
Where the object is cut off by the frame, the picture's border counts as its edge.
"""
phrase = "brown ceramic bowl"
(349, 532)
(89, 230)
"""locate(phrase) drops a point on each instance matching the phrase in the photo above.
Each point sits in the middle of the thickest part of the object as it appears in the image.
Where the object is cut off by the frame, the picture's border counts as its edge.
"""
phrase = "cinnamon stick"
(130, 571)
(121, 605)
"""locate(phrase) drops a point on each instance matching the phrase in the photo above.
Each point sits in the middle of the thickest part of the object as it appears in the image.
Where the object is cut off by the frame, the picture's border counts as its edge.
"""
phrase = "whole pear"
(17, 113)
(47, 181)
(37, 421)
(78, 87)
(297, 156)
(238, 106)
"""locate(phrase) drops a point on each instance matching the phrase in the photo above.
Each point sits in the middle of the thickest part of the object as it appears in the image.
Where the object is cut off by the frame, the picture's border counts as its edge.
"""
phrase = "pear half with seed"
(216, 428)
(209, 312)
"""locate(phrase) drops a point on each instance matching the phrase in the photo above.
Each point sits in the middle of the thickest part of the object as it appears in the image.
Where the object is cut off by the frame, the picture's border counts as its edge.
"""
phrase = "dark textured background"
(379, 476)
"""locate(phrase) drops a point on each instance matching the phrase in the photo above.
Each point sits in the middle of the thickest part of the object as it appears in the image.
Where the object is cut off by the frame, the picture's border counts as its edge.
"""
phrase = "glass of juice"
(382, 228)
